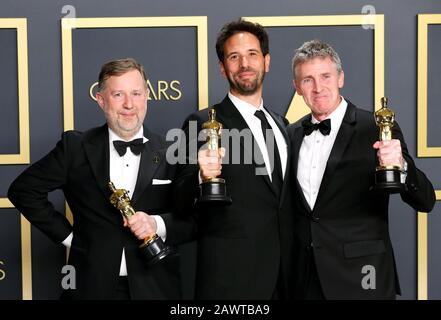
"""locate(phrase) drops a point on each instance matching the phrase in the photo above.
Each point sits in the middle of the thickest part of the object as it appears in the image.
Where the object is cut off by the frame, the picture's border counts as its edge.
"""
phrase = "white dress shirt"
(124, 174)
(314, 154)
(247, 111)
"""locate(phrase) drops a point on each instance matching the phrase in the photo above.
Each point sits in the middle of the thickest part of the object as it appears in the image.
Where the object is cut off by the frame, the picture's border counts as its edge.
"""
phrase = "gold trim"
(67, 24)
(422, 255)
(26, 254)
(5, 203)
(297, 107)
(423, 21)
(26, 258)
(378, 60)
(23, 157)
(69, 215)
(422, 252)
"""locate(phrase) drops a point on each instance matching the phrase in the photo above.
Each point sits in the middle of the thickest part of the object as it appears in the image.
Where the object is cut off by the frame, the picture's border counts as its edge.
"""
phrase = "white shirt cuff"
(68, 241)
(403, 174)
(160, 227)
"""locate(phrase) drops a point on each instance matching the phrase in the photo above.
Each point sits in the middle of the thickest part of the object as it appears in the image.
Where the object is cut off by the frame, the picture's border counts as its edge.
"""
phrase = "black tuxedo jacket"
(244, 247)
(348, 227)
(79, 165)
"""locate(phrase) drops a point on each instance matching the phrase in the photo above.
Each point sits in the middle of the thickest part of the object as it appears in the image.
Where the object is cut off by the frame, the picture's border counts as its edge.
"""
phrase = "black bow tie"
(324, 127)
(135, 145)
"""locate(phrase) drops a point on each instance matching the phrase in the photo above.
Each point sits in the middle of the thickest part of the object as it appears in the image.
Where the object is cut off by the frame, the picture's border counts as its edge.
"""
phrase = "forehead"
(129, 79)
(316, 65)
(241, 41)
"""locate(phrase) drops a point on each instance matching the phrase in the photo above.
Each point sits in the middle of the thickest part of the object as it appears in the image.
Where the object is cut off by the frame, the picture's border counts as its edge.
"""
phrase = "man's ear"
(100, 100)
(267, 62)
(297, 88)
(341, 79)
(222, 69)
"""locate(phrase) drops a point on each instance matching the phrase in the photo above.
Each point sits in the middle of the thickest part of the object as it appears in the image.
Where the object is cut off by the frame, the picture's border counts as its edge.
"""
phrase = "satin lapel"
(342, 140)
(297, 139)
(96, 147)
(282, 128)
(151, 159)
(231, 118)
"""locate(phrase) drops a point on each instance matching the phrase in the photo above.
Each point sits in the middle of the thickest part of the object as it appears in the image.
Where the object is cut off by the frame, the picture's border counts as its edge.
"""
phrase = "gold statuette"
(387, 178)
(213, 189)
(153, 248)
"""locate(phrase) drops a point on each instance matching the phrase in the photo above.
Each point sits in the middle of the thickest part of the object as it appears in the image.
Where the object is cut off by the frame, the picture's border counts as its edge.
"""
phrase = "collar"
(140, 134)
(245, 107)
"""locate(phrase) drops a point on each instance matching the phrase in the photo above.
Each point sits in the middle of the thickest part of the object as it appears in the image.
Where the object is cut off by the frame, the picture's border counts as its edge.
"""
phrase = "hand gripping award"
(212, 189)
(153, 248)
(387, 178)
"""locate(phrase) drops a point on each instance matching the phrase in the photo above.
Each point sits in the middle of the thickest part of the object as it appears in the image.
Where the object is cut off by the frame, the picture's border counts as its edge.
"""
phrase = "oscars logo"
(170, 91)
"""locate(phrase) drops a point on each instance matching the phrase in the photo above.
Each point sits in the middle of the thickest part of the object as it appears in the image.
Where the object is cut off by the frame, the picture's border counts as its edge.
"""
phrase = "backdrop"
(51, 53)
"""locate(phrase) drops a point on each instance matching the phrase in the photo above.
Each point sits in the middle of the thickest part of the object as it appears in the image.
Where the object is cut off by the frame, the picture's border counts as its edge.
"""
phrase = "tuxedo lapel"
(282, 128)
(297, 139)
(342, 140)
(96, 147)
(149, 163)
(230, 117)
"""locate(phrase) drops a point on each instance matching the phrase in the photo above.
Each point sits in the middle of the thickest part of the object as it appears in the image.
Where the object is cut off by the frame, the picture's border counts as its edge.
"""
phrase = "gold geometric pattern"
(423, 23)
(23, 157)
(20, 24)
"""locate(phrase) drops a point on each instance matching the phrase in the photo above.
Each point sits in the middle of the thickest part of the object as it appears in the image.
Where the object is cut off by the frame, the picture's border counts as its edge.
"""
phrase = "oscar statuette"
(387, 178)
(153, 249)
(212, 189)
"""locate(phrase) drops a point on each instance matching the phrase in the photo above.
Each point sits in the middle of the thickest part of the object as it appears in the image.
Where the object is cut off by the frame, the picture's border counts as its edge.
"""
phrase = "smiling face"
(319, 82)
(124, 102)
(244, 64)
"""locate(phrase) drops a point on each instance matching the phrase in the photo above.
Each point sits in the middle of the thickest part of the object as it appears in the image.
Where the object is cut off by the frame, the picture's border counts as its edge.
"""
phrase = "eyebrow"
(249, 50)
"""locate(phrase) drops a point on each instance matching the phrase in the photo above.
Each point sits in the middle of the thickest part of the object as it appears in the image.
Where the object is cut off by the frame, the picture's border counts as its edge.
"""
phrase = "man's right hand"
(210, 162)
(141, 224)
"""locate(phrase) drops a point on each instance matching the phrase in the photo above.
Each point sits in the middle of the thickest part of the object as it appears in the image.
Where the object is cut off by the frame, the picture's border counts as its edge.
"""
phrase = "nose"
(243, 61)
(127, 103)
(317, 86)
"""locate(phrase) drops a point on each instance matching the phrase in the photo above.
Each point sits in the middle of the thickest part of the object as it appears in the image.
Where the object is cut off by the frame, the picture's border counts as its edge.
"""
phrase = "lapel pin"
(156, 159)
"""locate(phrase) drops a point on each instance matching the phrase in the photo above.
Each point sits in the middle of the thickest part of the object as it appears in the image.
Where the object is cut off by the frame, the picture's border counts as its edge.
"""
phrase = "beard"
(247, 87)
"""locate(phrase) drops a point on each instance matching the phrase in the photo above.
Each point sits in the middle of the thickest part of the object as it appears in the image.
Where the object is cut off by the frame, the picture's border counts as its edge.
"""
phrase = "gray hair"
(315, 49)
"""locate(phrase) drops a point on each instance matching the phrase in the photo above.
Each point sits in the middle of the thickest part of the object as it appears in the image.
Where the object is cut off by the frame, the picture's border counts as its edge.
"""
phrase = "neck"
(254, 99)
(323, 116)
(125, 135)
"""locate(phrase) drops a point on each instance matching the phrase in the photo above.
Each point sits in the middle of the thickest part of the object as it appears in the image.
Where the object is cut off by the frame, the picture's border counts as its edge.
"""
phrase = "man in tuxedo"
(244, 249)
(104, 253)
(341, 227)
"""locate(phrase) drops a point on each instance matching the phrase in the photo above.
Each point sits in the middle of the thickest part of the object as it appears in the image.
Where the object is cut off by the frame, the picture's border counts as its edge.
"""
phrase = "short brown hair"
(232, 28)
(117, 68)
